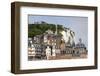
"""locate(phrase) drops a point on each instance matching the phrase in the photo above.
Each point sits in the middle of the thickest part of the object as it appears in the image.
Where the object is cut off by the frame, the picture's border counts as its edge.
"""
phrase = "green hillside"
(37, 29)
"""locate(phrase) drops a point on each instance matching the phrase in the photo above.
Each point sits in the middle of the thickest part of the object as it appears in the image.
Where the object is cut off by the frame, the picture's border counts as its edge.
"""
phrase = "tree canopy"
(37, 29)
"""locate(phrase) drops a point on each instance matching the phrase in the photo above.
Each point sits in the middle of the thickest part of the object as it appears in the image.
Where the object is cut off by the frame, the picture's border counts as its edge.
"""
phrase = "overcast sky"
(78, 24)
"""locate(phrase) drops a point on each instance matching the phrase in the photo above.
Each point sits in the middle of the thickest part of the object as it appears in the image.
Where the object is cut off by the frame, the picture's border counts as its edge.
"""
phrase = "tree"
(37, 29)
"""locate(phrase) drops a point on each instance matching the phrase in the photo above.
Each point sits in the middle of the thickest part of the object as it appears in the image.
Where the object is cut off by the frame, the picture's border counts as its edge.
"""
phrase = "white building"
(48, 52)
(53, 51)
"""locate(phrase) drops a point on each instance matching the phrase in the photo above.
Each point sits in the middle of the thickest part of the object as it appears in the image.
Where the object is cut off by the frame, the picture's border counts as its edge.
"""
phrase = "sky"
(78, 24)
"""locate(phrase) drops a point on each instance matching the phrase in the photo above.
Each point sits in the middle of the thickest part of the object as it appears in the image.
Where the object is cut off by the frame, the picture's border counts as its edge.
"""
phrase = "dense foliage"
(37, 29)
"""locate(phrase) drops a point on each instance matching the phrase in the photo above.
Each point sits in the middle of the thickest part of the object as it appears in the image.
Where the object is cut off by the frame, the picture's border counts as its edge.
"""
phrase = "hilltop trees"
(40, 28)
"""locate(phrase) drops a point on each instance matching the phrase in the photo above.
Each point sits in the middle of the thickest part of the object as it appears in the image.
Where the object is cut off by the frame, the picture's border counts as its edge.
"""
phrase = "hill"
(40, 28)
